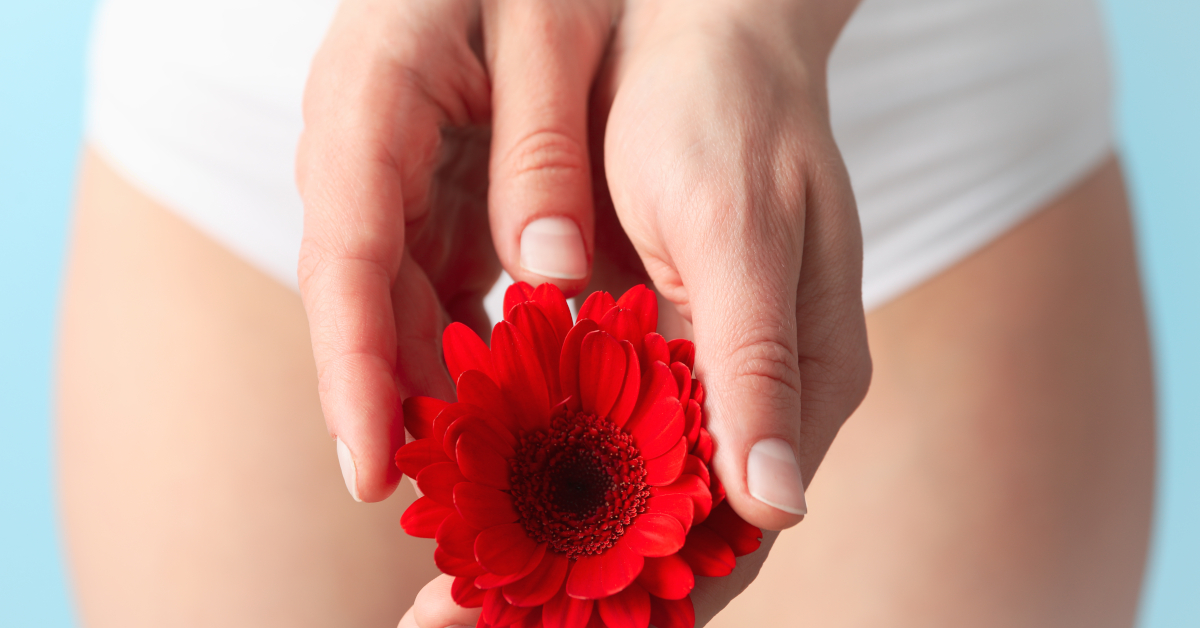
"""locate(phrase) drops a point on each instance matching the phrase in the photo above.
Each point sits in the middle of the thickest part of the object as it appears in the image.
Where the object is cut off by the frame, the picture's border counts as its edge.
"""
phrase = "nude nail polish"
(553, 247)
(349, 472)
(773, 476)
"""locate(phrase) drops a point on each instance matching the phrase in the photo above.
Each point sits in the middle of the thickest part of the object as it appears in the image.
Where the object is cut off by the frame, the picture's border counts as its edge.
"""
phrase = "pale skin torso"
(999, 472)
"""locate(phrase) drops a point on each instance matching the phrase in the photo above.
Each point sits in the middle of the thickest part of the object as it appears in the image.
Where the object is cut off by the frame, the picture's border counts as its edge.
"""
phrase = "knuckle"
(767, 366)
(546, 151)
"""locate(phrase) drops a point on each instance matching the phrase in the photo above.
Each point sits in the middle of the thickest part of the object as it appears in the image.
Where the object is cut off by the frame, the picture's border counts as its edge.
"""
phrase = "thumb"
(542, 57)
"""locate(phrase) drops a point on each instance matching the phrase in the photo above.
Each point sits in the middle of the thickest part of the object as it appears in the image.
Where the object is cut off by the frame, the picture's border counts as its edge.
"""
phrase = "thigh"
(1000, 471)
(198, 484)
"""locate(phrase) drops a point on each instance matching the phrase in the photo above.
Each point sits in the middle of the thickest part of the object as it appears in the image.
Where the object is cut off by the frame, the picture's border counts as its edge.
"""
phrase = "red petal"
(483, 506)
(743, 538)
(465, 593)
(624, 325)
(554, 305)
(492, 580)
(487, 428)
(683, 350)
(683, 380)
(520, 377)
(419, 413)
(666, 468)
(541, 584)
(596, 306)
(464, 351)
(657, 428)
(655, 534)
(455, 566)
(504, 549)
(517, 293)
(419, 454)
(498, 612)
(704, 446)
(676, 505)
(533, 619)
(655, 348)
(673, 613)
(630, 389)
(644, 304)
(698, 392)
(530, 322)
(601, 373)
(707, 553)
(628, 609)
(668, 577)
(568, 363)
(480, 462)
(482, 391)
(693, 487)
(564, 611)
(594, 577)
(457, 538)
(696, 467)
(422, 518)
(437, 482)
(691, 422)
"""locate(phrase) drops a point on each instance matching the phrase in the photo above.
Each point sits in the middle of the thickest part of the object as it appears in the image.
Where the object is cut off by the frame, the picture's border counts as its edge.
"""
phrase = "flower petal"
(465, 593)
(691, 422)
(479, 461)
(656, 429)
(682, 350)
(655, 534)
(643, 304)
(419, 454)
(492, 580)
(704, 446)
(743, 538)
(457, 538)
(422, 518)
(596, 306)
(696, 467)
(530, 322)
(564, 611)
(668, 577)
(683, 380)
(666, 468)
(672, 613)
(488, 428)
(594, 577)
(464, 351)
(601, 373)
(504, 549)
(568, 362)
(554, 305)
(455, 566)
(483, 506)
(693, 487)
(655, 349)
(707, 553)
(498, 612)
(520, 377)
(477, 389)
(628, 609)
(419, 413)
(541, 584)
(517, 293)
(437, 482)
(624, 325)
(630, 389)
(698, 392)
(676, 505)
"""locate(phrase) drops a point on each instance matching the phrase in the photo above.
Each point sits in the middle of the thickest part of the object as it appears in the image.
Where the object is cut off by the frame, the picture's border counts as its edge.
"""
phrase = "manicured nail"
(774, 476)
(349, 473)
(553, 247)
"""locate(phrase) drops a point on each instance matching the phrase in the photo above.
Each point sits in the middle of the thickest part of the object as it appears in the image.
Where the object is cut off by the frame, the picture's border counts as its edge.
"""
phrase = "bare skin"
(998, 473)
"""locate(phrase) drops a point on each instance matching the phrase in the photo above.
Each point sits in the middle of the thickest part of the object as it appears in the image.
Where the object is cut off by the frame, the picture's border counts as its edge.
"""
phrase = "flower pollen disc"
(579, 485)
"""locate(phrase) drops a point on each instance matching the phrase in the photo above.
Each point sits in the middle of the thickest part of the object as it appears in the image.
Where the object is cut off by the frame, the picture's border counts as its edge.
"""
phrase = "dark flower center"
(579, 485)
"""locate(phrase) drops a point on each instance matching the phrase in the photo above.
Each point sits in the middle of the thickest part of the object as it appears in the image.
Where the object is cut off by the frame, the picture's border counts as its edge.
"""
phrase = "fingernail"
(773, 476)
(553, 247)
(349, 473)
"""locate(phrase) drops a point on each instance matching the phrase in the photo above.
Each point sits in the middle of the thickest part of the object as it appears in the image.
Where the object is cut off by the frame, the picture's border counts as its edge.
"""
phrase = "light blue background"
(1157, 49)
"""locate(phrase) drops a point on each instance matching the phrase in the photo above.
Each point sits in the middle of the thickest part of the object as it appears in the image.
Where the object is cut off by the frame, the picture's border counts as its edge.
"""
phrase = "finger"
(363, 168)
(542, 57)
(435, 608)
(777, 390)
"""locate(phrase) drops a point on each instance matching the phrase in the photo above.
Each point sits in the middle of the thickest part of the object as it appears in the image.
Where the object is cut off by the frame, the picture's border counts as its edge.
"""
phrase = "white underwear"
(956, 118)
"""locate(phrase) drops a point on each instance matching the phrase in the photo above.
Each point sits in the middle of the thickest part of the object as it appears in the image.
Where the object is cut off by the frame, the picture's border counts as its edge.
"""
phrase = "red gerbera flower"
(569, 486)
